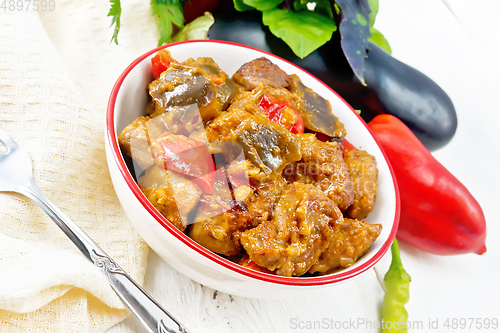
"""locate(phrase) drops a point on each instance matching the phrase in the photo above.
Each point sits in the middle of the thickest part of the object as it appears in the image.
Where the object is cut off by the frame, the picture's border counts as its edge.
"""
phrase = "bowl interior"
(131, 98)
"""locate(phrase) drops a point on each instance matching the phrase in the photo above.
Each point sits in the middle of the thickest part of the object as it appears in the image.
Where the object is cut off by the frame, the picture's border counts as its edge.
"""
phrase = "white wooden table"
(456, 43)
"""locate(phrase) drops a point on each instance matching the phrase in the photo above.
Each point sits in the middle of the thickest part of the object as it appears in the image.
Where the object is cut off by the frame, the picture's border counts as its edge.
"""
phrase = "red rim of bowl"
(292, 281)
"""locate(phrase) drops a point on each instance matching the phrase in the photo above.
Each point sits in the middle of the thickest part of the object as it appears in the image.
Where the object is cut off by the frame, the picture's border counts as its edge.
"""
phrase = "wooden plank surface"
(203, 309)
(458, 47)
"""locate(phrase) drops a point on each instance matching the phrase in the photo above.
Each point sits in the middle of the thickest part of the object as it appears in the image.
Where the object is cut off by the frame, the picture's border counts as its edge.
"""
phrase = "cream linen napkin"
(57, 69)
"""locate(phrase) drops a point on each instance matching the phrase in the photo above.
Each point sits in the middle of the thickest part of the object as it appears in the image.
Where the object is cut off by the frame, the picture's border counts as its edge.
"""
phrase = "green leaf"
(299, 5)
(377, 36)
(337, 9)
(355, 31)
(380, 40)
(196, 29)
(240, 6)
(324, 7)
(303, 31)
(374, 11)
(262, 5)
(115, 12)
(168, 12)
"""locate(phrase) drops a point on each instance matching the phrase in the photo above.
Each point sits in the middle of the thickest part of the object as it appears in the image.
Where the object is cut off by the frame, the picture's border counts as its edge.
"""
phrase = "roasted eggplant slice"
(182, 85)
(267, 144)
(226, 89)
(316, 111)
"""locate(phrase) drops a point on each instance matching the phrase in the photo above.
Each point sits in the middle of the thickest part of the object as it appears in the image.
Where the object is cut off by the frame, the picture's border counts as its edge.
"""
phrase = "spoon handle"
(151, 314)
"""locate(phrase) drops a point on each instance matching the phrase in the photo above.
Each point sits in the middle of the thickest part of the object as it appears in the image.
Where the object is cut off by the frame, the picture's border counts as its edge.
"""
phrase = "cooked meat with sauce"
(141, 140)
(351, 239)
(300, 230)
(362, 168)
(221, 128)
(134, 142)
(263, 71)
(223, 218)
(215, 224)
(249, 100)
(238, 165)
(322, 165)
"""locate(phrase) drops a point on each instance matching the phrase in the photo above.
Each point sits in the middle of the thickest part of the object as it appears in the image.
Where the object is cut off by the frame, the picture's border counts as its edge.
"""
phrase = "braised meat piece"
(182, 85)
(265, 190)
(350, 241)
(316, 111)
(134, 142)
(245, 261)
(220, 128)
(249, 100)
(322, 165)
(171, 193)
(363, 171)
(212, 226)
(141, 138)
(224, 215)
(300, 230)
(260, 70)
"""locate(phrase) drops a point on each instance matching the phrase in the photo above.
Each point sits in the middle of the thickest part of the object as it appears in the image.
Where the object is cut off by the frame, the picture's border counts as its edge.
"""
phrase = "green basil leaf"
(240, 6)
(355, 31)
(380, 40)
(168, 12)
(377, 36)
(324, 7)
(115, 12)
(303, 31)
(299, 5)
(262, 5)
(196, 29)
(374, 11)
(337, 9)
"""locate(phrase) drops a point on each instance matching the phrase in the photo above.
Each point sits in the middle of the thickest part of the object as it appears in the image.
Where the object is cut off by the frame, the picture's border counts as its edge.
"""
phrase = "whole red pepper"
(438, 213)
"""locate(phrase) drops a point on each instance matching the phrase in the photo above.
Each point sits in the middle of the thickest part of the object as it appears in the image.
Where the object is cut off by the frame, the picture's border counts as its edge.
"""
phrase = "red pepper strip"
(298, 127)
(160, 62)
(274, 111)
(218, 80)
(189, 157)
(348, 146)
(438, 213)
(323, 137)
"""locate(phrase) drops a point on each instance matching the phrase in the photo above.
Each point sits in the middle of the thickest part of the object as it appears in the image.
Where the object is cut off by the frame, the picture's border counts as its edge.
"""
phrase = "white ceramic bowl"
(128, 101)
